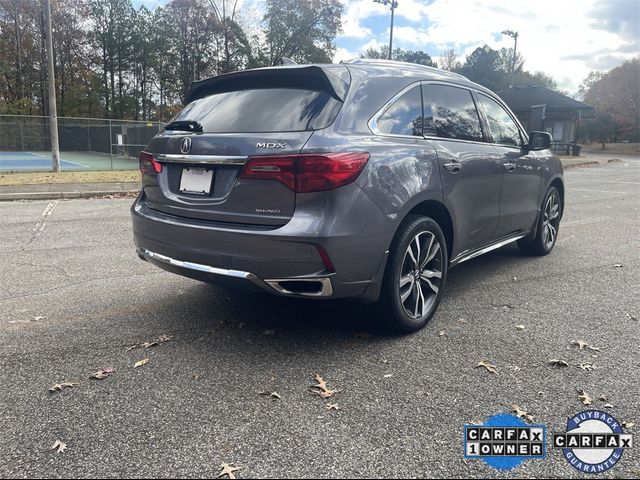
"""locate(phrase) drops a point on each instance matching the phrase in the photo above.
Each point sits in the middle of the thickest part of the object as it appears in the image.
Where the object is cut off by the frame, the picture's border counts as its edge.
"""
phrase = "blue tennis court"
(18, 161)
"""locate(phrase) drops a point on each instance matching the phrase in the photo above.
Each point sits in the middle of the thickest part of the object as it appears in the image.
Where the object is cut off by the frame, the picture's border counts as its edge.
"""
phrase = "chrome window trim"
(204, 159)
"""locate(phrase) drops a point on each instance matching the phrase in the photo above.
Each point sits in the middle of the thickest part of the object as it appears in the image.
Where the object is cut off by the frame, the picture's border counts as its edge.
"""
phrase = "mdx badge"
(271, 145)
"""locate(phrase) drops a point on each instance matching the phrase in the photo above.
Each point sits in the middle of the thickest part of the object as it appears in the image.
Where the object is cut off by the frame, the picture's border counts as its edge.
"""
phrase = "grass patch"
(36, 178)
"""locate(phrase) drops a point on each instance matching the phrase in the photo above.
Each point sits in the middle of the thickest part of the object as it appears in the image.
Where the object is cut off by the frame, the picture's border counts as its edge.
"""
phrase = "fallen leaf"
(607, 405)
(321, 388)
(58, 387)
(558, 363)
(269, 332)
(152, 343)
(505, 307)
(490, 368)
(520, 327)
(585, 398)
(157, 341)
(602, 398)
(462, 320)
(228, 470)
(103, 373)
(618, 265)
(589, 367)
(442, 333)
(332, 406)
(388, 375)
(632, 317)
(59, 447)
(582, 345)
(628, 425)
(142, 362)
(520, 413)
(273, 395)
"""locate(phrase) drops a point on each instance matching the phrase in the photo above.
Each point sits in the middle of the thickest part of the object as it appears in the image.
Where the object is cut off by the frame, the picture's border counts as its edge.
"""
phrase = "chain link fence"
(85, 143)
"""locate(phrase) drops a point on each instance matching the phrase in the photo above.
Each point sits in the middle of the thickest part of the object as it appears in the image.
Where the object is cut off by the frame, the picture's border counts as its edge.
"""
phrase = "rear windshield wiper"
(184, 126)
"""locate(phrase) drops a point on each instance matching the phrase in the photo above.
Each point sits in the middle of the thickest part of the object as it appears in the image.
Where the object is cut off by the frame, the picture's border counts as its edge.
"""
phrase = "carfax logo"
(504, 441)
(594, 441)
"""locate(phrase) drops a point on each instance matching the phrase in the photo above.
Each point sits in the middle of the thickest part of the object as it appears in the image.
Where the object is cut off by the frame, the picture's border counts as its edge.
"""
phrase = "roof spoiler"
(290, 76)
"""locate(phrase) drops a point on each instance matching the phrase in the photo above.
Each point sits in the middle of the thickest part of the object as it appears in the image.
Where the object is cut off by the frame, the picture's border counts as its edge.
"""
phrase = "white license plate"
(196, 180)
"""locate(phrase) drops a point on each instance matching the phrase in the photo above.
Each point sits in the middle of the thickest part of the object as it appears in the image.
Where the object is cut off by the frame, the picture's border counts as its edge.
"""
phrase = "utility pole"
(513, 35)
(393, 4)
(53, 114)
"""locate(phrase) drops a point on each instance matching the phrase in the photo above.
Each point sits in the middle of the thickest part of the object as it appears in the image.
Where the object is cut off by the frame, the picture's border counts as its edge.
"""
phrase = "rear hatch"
(197, 167)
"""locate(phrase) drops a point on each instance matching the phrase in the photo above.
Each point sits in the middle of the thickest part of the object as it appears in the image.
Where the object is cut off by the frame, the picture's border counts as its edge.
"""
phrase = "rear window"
(263, 110)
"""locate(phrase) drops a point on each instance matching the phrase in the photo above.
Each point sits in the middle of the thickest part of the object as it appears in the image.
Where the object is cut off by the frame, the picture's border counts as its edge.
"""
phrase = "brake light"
(307, 172)
(148, 164)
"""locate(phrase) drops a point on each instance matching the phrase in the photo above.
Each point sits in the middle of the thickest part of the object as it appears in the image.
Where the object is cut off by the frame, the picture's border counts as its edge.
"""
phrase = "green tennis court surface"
(81, 161)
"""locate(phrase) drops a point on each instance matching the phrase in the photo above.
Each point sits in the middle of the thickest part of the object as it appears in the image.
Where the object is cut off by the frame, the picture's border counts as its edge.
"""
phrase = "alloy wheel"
(551, 221)
(421, 274)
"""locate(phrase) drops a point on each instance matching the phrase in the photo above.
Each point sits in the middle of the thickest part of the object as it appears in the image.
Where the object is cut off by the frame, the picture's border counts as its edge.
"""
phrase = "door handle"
(509, 166)
(453, 166)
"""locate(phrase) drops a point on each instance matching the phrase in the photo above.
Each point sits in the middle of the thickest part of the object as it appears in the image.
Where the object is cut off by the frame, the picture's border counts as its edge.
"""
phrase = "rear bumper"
(282, 261)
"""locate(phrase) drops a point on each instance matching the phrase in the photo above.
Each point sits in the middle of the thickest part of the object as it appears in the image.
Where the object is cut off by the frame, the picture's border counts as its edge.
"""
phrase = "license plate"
(196, 180)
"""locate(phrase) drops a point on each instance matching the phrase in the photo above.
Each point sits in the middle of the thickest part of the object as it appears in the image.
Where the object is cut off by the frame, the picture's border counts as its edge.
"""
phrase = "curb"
(8, 197)
(582, 164)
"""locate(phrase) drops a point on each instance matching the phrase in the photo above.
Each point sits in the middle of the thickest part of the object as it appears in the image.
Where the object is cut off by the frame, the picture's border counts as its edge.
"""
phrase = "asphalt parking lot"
(74, 298)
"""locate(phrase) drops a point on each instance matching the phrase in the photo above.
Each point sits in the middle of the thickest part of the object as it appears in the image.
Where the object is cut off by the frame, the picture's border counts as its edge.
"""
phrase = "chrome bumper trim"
(325, 291)
(197, 266)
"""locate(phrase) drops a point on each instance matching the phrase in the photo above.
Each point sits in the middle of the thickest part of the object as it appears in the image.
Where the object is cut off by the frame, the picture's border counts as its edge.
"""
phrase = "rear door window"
(263, 110)
(404, 116)
(450, 112)
(502, 128)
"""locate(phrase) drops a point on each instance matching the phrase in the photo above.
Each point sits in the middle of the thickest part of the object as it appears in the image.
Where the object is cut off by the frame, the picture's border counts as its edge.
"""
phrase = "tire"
(547, 227)
(409, 299)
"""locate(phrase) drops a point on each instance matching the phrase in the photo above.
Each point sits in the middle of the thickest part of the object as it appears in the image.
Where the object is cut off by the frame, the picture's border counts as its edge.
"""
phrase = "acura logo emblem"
(185, 145)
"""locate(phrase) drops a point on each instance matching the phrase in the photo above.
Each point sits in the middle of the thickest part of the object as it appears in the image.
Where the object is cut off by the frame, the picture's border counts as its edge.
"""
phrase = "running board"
(468, 255)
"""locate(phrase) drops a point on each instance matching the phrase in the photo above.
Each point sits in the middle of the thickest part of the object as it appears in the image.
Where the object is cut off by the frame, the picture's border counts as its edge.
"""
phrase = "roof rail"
(380, 61)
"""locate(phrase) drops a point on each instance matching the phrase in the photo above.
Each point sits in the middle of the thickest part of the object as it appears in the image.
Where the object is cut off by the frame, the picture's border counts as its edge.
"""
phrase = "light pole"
(53, 114)
(393, 4)
(513, 35)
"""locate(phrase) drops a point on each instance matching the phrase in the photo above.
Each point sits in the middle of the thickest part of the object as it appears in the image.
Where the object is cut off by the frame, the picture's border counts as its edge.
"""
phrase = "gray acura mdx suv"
(367, 179)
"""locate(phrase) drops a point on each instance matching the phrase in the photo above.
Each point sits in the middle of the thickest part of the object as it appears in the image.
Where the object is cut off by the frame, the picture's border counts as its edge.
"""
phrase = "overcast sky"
(564, 38)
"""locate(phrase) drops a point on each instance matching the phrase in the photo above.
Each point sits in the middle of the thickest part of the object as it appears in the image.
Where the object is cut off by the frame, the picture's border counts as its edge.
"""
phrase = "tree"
(449, 60)
(616, 97)
(303, 30)
(409, 56)
(491, 68)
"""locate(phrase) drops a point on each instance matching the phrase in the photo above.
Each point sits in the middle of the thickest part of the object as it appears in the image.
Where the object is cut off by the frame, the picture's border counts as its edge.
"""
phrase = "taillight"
(307, 172)
(148, 164)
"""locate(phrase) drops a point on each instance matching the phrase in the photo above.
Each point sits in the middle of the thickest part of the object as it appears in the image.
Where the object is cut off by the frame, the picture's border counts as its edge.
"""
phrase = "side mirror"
(539, 140)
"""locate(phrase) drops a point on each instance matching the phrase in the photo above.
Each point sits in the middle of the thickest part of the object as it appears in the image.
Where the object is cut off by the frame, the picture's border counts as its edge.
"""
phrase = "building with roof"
(541, 109)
